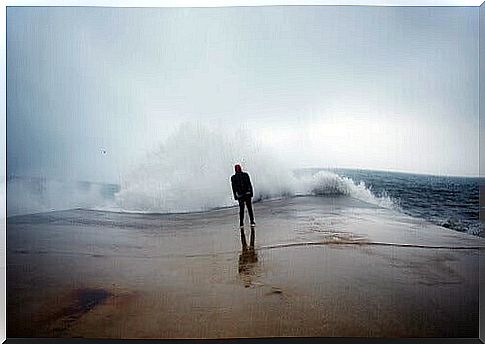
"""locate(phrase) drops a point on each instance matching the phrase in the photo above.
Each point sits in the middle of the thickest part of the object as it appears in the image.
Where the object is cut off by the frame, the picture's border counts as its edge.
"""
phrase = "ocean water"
(451, 202)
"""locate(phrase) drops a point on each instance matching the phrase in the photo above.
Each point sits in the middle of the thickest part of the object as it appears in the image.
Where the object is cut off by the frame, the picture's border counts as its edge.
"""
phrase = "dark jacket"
(241, 186)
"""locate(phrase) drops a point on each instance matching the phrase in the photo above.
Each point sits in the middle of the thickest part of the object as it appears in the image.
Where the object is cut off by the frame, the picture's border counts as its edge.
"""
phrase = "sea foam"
(191, 171)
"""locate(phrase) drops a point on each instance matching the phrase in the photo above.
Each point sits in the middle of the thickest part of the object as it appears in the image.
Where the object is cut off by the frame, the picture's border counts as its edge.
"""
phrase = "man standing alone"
(243, 192)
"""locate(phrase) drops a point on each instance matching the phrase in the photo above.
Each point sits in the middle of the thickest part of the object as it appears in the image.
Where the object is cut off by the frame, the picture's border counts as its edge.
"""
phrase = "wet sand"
(312, 267)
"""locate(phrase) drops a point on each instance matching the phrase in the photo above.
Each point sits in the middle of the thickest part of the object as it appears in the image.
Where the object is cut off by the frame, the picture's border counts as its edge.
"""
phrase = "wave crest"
(327, 183)
(191, 171)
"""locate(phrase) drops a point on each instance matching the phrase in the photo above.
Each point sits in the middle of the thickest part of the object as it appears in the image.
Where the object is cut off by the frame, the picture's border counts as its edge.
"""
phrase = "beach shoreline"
(319, 266)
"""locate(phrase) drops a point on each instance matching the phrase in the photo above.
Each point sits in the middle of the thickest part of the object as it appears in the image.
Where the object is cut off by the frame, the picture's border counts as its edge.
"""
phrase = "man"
(243, 191)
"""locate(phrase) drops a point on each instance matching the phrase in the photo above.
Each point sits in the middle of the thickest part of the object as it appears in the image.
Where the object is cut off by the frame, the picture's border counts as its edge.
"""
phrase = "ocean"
(451, 202)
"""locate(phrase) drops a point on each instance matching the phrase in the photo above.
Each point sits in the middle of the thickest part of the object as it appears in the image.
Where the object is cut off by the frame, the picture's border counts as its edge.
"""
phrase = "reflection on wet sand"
(248, 259)
(129, 279)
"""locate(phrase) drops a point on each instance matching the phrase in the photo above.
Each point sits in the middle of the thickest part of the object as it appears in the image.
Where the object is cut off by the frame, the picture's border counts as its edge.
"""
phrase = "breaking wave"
(191, 171)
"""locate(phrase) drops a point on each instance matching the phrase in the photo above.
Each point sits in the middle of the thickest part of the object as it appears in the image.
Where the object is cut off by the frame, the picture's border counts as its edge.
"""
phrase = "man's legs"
(250, 209)
(241, 213)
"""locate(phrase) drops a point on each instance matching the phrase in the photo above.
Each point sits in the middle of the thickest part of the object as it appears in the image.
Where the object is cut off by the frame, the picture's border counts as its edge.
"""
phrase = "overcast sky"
(90, 90)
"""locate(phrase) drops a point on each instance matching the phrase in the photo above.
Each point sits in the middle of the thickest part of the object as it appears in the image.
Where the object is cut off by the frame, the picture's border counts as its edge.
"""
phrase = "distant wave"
(30, 195)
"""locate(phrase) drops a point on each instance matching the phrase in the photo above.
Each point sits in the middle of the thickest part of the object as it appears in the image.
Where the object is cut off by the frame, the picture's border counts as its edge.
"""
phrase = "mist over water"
(189, 171)
(28, 195)
(98, 98)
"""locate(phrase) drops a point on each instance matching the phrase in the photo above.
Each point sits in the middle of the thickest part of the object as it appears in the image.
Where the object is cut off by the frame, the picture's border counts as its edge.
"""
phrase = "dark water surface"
(451, 202)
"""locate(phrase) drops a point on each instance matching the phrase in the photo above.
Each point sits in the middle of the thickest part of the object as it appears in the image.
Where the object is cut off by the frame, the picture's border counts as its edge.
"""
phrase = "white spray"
(191, 172)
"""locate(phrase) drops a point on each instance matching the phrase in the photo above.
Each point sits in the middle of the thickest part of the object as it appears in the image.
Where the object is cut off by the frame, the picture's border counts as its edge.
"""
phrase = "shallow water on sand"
(312, 267)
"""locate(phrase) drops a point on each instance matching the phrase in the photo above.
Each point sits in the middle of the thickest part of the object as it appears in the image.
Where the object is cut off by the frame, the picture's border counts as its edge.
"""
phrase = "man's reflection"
(248, 259)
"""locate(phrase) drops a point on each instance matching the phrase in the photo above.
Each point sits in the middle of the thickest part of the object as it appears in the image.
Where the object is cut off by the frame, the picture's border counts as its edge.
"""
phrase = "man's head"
(237, 168)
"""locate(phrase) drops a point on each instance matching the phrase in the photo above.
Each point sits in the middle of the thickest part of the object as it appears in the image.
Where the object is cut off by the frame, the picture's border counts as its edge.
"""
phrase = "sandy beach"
(313, 266)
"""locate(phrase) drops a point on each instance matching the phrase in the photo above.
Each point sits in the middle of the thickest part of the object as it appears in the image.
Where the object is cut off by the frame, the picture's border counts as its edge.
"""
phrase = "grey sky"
(368, 87)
